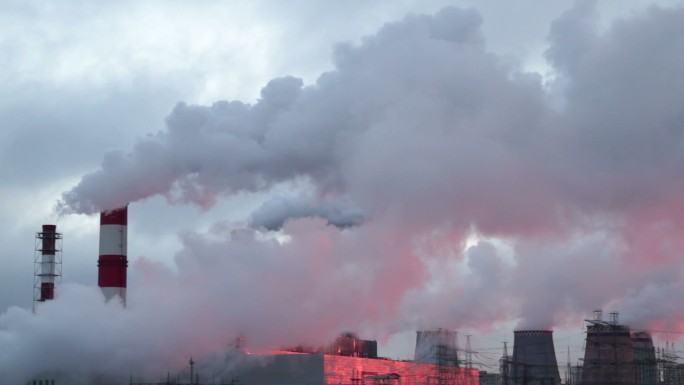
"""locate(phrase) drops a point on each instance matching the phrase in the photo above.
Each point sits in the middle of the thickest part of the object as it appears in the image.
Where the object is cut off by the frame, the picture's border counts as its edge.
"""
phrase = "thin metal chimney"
(47, 264)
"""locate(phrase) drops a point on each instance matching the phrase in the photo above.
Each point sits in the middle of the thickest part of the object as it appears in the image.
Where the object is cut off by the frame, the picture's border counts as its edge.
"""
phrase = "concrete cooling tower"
(645, 364)
(436, 347)
(609, 354)
(534, 359)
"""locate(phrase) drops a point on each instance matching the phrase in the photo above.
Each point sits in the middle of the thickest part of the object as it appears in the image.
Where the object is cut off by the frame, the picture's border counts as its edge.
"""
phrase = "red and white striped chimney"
(113, 261)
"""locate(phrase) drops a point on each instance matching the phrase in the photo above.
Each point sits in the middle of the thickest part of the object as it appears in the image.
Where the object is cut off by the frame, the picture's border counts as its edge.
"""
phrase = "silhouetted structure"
(349, 345)
(609, 353)
(645, 363)
(534, 359)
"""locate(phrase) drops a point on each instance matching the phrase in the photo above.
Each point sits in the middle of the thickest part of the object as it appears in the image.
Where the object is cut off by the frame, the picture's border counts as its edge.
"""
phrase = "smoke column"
(416, 152)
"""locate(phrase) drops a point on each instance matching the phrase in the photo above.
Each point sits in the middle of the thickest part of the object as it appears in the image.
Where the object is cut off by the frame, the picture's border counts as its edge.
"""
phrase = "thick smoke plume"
(420, 138)
(273, 214)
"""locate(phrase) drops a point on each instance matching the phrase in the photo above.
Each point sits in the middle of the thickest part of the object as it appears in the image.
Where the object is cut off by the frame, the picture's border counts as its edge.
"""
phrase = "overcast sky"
(544, 137)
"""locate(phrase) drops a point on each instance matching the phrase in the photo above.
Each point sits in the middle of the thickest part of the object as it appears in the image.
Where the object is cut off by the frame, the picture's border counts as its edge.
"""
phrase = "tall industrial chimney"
(113, 260)
(47, 263)
(534, 358)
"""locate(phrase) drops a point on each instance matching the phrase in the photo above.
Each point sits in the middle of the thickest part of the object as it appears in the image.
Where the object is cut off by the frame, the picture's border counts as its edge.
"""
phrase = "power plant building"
(329, 369)
(490, 378)
(350, 345)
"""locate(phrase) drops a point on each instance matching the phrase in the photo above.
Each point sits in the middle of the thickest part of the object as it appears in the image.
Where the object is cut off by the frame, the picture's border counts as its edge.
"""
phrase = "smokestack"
(534, 358)
(47, 263)
(113, 260)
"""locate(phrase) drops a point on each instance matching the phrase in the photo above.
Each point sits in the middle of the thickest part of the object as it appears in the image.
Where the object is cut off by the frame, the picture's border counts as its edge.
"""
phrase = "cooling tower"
(534, 358)
(435, 346)
(645, 364)
(113, 262)
(608, 355)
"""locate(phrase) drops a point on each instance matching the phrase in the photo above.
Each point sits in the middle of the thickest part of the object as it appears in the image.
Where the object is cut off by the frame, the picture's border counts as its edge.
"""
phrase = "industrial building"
(350, 345)
(330, 369)
(351, 360)
(490, 378)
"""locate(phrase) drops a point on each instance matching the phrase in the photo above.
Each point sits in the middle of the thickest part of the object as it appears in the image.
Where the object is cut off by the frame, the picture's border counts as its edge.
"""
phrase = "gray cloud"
(273, 214)
(425, 128)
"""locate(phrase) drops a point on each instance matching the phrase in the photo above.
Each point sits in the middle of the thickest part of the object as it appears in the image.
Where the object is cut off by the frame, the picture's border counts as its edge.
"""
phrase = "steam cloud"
(419, 137)
(273, 214)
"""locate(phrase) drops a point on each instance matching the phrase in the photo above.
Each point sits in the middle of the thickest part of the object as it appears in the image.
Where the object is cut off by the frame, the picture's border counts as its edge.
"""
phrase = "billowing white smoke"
(418, 137)
(273, 214)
